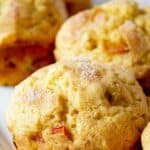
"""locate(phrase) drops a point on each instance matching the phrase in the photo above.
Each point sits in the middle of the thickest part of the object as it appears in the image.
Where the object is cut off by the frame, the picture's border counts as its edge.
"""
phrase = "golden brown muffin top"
(77, 104)
(117, 32)
(30, 20)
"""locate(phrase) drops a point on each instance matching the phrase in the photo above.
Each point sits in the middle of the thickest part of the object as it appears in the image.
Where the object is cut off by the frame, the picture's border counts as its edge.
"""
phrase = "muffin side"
(27, 33)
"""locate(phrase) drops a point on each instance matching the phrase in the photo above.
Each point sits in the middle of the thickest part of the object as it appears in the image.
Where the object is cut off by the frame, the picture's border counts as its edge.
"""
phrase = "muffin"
(146, 138)
(74, 6)
(117, 32)
(27, 32)
(77, 104)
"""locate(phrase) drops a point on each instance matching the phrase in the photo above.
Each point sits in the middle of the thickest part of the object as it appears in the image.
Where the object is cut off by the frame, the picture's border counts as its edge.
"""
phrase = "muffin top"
(30, 21)
(77, 104)
(117, 32)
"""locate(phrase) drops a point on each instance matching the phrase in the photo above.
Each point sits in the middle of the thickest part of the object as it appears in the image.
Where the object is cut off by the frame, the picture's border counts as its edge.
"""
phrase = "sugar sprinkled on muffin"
(77, 104)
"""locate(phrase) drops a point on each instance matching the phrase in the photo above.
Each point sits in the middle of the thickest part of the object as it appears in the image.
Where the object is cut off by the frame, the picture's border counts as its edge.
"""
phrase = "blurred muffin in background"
(77, 104)
(117, 32)
(27, 32)
(74, 6)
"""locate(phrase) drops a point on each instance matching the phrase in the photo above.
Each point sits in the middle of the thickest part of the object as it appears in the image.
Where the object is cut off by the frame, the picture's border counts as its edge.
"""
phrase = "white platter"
(5, 138)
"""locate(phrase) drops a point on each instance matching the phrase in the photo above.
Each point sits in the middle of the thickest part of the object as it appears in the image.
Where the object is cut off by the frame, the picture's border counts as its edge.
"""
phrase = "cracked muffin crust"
(27, 32)
(74, 6)
(117, 32)
(77, 104)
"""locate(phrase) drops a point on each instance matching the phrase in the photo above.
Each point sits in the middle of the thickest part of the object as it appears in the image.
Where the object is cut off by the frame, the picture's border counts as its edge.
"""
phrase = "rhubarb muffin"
(146, 138)
(117, 32)
(27, 32)
(74, 6)
(77, 104)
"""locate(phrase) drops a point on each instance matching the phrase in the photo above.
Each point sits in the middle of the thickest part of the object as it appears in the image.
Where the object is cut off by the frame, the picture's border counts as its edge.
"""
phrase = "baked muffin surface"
(117, 32)
(27, 32)
(33, 21)
(77, 105)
